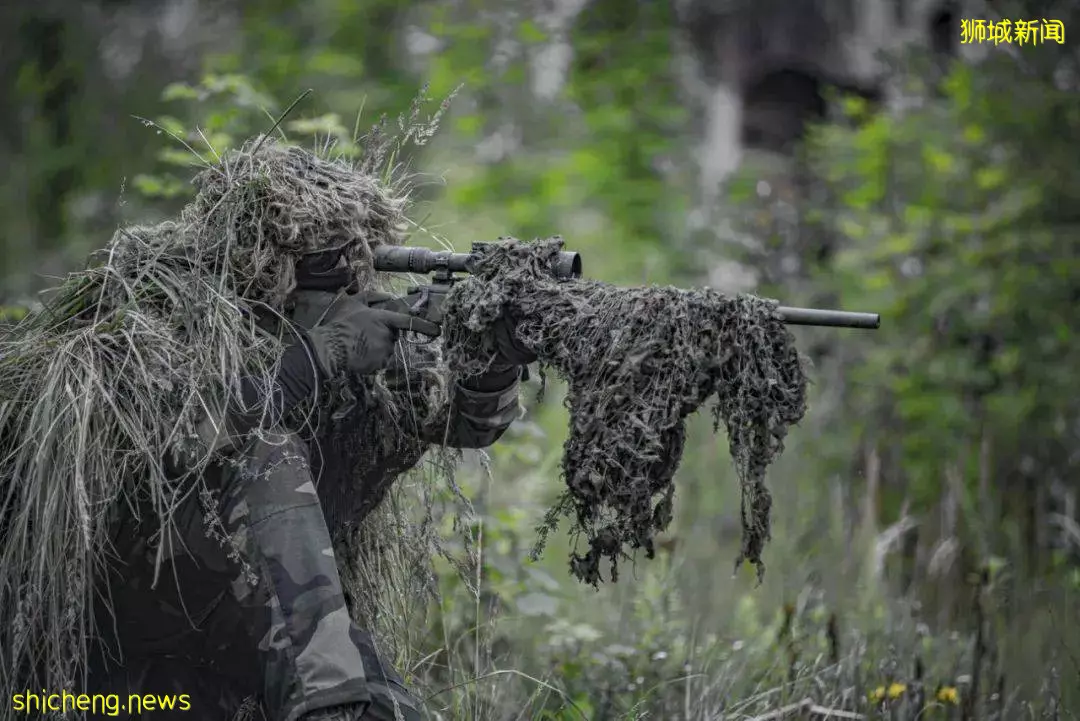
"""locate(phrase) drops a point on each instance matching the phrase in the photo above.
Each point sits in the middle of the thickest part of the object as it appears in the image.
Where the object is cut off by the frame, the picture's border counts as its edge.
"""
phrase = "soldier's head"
(300, 225)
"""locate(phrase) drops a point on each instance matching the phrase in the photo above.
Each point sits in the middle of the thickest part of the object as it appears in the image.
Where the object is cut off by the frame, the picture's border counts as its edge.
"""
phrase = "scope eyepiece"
(568, 264)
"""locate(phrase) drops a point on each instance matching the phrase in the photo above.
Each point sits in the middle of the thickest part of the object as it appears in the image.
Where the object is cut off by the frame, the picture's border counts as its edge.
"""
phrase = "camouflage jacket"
(357, 457)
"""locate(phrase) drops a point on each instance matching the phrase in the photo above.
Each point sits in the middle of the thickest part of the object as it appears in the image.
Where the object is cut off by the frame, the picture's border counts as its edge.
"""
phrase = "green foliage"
(597, 150)
(64, 146)
(952, 231)
(227, 108)
(954, 219)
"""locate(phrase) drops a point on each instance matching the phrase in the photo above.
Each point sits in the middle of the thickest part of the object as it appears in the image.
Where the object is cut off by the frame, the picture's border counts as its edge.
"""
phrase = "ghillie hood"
(101, 389)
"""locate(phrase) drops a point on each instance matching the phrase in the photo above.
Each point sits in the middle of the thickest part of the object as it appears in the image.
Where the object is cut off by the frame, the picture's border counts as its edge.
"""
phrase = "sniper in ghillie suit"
(222, 401)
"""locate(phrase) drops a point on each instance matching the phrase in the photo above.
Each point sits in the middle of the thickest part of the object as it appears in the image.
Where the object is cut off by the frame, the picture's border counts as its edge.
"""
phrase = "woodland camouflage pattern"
(270, 619)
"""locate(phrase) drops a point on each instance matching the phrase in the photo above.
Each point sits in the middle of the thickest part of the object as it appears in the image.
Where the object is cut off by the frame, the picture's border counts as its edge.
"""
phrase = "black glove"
(358, 339)
(510, 353)
(511, 361)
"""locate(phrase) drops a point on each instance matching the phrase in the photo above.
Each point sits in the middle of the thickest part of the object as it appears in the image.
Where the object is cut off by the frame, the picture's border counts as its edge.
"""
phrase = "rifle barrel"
(834, 318)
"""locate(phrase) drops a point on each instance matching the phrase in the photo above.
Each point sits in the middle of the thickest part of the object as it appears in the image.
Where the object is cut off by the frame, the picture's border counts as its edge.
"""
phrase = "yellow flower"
(948, 694)
(892, 691)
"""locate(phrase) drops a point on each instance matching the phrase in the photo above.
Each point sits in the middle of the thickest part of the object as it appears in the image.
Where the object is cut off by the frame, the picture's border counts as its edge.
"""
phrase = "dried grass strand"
(102, 388)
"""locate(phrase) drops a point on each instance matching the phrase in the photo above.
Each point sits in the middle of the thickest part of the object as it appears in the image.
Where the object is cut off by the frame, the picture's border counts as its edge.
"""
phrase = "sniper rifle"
(443, 264)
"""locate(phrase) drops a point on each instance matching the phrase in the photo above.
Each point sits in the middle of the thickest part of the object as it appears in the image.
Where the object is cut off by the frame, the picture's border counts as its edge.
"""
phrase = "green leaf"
(172, 125)
(179, 157)
(337, 64)
(741, 188)
(853, 106)
(179, 91)
(10, 313)
(991, 177)
(329, 124)
(530, 33)
(974, 134)
(939, 160)
(469, 124)
(152, 186)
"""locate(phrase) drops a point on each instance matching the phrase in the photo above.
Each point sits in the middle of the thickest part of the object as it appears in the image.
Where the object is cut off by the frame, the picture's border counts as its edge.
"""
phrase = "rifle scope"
(401, 259)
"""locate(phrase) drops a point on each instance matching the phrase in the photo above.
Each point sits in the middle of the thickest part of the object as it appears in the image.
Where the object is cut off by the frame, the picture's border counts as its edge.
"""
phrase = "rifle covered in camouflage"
(443, 264)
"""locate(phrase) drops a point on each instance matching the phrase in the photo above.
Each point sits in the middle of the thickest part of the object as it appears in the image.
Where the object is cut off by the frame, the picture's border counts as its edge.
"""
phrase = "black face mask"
(320, 277)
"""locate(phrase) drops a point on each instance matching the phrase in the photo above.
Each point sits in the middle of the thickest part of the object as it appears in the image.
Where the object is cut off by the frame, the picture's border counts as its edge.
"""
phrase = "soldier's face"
(320, 277)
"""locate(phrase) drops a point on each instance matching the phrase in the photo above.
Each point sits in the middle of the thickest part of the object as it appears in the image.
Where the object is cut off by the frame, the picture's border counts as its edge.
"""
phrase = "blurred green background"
(926, 558)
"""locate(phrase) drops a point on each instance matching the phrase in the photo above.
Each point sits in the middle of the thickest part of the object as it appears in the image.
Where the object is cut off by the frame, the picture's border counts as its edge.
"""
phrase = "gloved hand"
(358, 339)
(510, 352)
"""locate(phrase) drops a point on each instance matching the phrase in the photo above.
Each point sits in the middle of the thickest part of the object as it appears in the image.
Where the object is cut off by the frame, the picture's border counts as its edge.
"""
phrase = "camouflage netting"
(101, 388)
(638, 361)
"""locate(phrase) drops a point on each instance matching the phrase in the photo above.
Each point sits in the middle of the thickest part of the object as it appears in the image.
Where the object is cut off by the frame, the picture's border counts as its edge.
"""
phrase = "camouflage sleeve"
(481, 410)
(223, 429)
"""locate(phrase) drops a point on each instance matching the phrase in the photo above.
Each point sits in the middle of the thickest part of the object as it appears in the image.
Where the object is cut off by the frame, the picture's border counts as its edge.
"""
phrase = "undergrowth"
(481, 658)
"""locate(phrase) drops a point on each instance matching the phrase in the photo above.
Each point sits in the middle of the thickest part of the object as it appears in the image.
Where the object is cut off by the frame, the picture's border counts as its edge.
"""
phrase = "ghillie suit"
(638, 362)
(112, 492)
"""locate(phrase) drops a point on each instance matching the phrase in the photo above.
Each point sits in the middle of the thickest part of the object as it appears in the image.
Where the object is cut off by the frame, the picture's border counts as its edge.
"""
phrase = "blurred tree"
(65, 69)
(955, 219)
